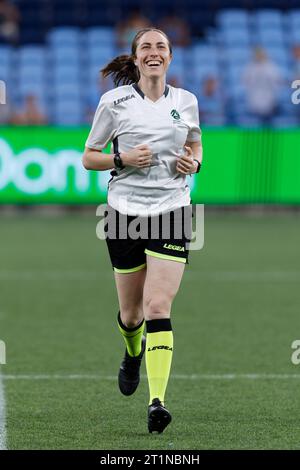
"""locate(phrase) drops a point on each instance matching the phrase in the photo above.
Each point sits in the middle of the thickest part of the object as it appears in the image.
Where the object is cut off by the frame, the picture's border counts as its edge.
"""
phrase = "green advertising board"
(43, 165)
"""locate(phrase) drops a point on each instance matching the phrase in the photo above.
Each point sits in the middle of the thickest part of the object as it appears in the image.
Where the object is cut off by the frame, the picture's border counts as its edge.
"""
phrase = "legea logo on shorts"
(52, 170)
(2, 352)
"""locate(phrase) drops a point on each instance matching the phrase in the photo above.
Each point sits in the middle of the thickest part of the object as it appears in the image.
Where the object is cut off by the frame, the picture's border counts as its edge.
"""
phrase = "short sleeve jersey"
(128, 118)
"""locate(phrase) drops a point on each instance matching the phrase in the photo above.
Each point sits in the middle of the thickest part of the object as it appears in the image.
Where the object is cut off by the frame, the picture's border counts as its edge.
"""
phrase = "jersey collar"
(139, 91)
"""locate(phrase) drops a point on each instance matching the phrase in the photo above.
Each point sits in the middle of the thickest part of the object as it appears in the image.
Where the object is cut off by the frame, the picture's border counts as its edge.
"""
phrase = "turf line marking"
(174, 376)
(2, 416)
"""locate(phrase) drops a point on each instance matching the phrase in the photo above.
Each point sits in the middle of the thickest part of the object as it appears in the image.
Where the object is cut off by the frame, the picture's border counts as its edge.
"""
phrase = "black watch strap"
(199, 165)
(118, 161)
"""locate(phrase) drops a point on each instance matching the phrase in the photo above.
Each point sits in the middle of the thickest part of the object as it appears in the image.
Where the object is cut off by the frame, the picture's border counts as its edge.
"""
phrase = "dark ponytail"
(122, 68)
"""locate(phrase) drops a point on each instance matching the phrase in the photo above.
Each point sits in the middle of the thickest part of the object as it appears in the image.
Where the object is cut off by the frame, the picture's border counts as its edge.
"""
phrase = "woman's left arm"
(185, 163)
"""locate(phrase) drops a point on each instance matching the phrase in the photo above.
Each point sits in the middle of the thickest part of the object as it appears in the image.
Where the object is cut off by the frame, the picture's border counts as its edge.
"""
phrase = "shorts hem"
(162, 256)
(129, 270)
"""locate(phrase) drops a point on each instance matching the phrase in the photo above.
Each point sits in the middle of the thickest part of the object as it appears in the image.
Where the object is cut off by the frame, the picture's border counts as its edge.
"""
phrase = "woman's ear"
(134, 60)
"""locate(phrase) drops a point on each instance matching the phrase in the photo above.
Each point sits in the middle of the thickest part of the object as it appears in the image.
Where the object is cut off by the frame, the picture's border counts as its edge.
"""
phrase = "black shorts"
(130, 238)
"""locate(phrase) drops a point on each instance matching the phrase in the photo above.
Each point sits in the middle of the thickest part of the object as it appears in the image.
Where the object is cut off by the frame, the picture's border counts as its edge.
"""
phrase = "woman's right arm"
(97, 160)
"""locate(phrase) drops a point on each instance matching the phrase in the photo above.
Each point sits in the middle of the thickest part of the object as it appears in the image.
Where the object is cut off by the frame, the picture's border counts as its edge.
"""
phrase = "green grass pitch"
(234, 319)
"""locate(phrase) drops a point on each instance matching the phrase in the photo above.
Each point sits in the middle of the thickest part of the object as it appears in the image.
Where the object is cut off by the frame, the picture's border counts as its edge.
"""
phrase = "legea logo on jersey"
(175, 114)
(125, 98)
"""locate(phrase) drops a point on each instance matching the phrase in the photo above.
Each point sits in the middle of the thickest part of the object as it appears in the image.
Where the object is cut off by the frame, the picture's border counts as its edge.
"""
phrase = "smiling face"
(152, 56)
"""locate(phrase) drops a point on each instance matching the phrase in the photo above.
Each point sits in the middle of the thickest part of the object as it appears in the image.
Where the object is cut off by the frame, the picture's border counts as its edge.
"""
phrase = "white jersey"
(128, 118)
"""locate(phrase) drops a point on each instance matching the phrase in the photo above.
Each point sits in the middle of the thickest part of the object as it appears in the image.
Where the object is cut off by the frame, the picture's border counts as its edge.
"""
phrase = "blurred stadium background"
(235, 383)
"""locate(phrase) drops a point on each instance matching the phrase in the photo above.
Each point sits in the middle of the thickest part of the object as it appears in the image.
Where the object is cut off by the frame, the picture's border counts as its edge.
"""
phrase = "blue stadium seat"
(234, 36)
(93, 69)
(99, 55)
(31, 72)
(66, 74)
(100, 36)
(268, 18)
(62, 91)
(4, 72)
(32, 54)
(68, 112)
(202, 71)
(270, 36)
(234, 75)
(64, 36)
(294, 36)
(232, 17)
(177, 67)
(65, 55)
(293, 17)
(203, 54)
(277, 54)
(32, 87)
(179, 55)
(177, 72)
(237, 54)
(236, 93)
(237, 102)
(6, 54)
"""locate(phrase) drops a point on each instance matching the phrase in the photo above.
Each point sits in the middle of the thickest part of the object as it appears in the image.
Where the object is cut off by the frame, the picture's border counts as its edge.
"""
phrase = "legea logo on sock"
(167, 348)
(2, 352)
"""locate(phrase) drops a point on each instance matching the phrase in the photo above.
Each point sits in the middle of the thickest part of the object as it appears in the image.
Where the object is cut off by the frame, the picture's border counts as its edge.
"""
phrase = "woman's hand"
(139, 157)
(185, 163)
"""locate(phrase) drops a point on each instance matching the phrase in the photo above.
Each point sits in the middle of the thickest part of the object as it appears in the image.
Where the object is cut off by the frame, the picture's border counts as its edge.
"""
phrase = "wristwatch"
(118, 161)
(199, 165)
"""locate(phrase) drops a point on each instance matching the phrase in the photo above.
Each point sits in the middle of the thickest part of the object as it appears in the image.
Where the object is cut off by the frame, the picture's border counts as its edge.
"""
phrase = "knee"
(131, 317)
(155, 308)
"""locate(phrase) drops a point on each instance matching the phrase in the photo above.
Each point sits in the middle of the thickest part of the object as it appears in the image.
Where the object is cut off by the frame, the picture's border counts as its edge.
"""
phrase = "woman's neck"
(153, 89)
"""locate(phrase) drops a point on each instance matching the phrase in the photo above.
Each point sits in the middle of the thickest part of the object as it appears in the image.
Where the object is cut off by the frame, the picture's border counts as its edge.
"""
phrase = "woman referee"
(157, 142)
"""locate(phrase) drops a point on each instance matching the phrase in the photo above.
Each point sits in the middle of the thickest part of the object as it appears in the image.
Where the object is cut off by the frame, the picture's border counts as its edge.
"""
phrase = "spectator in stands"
(211, 104)
(127, 29)
(296, 67)
(262, 80)
(9, 22)
(177, 29)
(31, 114)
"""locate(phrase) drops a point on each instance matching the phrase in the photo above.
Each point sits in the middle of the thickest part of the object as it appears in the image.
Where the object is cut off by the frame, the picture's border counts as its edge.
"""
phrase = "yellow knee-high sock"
(159, 351)
(132, 336)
